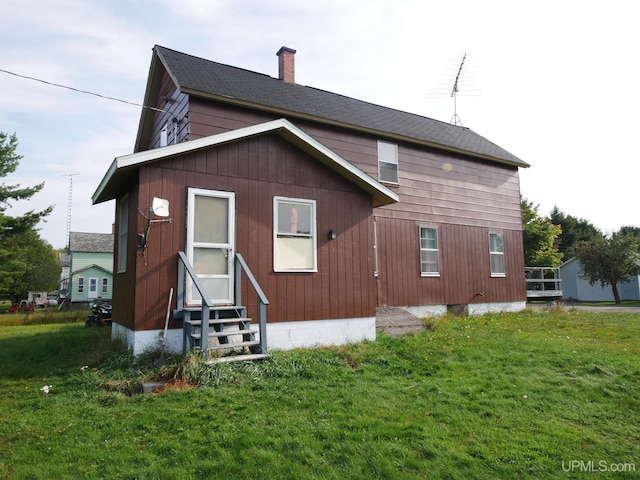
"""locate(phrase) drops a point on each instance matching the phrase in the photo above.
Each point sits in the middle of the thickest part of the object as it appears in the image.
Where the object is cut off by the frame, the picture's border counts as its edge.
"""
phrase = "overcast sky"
(553, 82)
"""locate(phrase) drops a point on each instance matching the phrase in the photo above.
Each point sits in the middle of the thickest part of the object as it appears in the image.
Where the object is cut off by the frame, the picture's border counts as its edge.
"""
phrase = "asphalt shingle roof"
(91, 242)
(199, 76)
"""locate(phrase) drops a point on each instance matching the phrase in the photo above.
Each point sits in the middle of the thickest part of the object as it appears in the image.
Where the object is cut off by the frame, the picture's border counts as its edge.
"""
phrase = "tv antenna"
(454, 93)
(68, 232)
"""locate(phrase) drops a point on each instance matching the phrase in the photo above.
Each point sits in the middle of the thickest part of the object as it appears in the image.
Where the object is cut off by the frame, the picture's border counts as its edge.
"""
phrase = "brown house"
(303, 205)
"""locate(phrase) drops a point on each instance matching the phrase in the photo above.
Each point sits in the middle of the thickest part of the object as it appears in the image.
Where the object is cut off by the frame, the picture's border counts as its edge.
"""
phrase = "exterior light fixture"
(332, 234)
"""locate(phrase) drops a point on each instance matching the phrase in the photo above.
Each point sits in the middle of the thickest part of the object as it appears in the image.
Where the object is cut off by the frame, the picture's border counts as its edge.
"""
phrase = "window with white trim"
(164, 135)
(387, 162)
(496, 255)
(105, 285)
(294, 243)
(80, 284)
(123, 233)
(429, 255)
(375, 249)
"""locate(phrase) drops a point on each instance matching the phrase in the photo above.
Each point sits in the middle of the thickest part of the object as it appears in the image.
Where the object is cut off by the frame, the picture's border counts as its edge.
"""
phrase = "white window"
(375, 249)
(80, 284)
(105, 285)
(496, 255)
(123, 234)
(429, 258)
(294, 235)
(387, 162)
(164, 135)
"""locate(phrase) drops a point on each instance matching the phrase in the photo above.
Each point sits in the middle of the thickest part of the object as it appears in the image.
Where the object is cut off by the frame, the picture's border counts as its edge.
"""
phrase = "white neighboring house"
(575, 286)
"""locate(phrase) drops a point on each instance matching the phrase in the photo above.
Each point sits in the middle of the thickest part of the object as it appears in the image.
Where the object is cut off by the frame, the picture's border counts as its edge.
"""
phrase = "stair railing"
(184, 265)
(241, 265)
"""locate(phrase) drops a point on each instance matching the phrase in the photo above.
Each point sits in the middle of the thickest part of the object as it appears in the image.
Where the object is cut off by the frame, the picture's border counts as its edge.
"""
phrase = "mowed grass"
(539, 394)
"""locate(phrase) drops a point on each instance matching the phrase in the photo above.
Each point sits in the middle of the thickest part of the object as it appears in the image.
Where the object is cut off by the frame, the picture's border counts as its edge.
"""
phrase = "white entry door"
(211, 244)
(93, 288)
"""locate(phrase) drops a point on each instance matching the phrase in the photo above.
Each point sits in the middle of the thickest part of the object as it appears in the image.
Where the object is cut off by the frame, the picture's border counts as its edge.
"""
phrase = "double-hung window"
(429, 258)
(80, 284)
(496, 255)
(295, 243)
(387, 162)
(105, 286)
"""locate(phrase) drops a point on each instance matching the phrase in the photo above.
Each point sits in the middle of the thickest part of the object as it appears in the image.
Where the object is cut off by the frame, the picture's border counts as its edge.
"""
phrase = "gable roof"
(91, 267)
(91, 242)
(122, 167)
(204, 78)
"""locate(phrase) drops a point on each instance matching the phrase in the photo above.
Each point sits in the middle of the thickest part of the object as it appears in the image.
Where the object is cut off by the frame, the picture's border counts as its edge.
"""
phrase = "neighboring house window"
(294, 235)
(496, 254)
(429, 259)
(80, 284)
(105, 285)
(164, 135)
(123, 234)
(387, 162)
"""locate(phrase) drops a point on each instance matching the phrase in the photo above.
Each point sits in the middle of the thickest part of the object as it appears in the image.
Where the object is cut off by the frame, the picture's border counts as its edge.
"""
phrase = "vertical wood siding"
(257, 170)
(465, 198)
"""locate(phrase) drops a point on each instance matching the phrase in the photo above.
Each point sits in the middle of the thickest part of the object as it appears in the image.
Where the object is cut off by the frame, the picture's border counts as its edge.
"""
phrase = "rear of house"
(338, 206)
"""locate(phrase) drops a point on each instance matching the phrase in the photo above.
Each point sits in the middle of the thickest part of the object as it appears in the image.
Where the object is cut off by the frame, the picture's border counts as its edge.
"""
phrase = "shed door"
(211, 244)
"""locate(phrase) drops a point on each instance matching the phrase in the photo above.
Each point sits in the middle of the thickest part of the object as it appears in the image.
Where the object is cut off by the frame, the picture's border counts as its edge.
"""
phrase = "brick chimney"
(287, 64)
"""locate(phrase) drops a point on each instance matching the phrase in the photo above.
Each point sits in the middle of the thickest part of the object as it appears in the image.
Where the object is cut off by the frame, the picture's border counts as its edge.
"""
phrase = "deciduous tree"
(540, 238)
(610, 261)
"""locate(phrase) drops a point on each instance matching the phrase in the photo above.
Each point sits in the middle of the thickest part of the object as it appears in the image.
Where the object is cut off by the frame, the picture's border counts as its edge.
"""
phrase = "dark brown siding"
(257, 170)
(173, 105)
(124, 282)
(464, 265)
(464, 197)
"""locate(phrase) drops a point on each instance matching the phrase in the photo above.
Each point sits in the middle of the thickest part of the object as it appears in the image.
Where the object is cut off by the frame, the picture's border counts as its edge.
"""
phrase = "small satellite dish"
(160, 207)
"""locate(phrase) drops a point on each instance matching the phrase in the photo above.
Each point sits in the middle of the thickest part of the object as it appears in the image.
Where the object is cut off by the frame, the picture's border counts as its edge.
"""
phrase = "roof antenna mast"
(68, 232)
(454, 93)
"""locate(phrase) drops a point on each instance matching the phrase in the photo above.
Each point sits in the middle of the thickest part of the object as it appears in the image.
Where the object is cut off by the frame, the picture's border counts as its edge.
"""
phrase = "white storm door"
(93, 289)
(211, 244)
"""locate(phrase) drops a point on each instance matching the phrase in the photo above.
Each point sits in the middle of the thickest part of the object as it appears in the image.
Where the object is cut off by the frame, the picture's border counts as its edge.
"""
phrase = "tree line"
(606, 259)
(27, 262)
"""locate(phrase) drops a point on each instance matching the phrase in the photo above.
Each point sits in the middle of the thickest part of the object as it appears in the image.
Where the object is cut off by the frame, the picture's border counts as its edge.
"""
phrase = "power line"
(82, 91)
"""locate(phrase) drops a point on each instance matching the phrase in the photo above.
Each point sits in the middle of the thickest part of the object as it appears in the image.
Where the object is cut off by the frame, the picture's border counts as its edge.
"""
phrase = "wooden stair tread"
(226, 333)
(218, 321)
(231, 346)
(238, 358)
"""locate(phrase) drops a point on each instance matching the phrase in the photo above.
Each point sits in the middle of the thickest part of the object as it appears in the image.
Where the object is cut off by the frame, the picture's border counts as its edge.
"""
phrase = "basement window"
(496, 255)
(387, 162)
(295, 244)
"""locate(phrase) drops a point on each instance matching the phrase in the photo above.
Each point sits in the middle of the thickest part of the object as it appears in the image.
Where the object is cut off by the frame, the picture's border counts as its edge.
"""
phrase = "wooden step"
(238, 358)
(218, 321)
(231, 346)
(226, 333)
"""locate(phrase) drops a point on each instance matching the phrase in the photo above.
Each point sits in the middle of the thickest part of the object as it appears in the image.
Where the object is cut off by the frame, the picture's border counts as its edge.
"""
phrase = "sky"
(553, 82)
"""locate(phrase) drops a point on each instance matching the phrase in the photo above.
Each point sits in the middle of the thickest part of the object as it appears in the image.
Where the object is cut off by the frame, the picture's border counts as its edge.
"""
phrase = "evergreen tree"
(10, 263)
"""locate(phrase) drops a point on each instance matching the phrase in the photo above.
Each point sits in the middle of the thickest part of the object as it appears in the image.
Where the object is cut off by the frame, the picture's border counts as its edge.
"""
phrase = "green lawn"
(540, 394)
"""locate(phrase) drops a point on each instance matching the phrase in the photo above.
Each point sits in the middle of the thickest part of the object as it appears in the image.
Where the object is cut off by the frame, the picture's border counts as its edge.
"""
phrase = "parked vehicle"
(100, 314)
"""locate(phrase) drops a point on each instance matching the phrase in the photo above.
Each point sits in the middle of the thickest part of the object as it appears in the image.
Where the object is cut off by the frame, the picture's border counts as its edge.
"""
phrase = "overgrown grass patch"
(497, 396)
